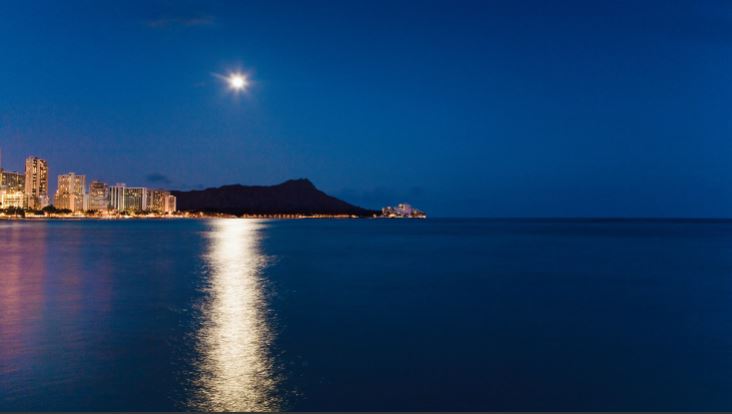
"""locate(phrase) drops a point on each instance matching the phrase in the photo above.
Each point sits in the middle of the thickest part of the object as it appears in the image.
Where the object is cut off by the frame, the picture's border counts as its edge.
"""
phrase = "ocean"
(366, 315)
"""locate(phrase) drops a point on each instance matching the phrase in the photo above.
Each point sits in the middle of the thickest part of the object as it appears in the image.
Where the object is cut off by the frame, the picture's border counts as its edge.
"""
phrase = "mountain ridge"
(294, 196)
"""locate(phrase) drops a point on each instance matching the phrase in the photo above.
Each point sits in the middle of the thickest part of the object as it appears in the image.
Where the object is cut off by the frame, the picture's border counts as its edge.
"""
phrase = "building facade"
(36, 183)
(157, 200)
(170, 204)
(136, 199)
(161, 201)
(130, 199)
(70, 192)
(117, 196)
(98, 196)
(12, 189)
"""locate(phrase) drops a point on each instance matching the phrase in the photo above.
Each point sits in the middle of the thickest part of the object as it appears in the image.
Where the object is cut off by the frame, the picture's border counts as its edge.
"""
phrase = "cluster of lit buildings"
(402, 211)
(29, 191)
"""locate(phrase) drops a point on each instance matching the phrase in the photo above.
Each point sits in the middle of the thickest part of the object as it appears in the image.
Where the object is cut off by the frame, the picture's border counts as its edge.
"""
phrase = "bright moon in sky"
(237, 81)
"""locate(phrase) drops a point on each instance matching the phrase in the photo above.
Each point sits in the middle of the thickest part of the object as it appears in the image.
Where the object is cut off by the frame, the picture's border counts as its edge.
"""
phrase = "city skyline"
(30, 189)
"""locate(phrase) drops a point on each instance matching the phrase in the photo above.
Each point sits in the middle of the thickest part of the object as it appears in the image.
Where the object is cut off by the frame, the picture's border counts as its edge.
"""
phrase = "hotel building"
(117, 196)
(70, 192)
(170, 204)
(136, 199)
(161, 201)
(98, 196)
(36, 183)
(130, 199)
(12, 189)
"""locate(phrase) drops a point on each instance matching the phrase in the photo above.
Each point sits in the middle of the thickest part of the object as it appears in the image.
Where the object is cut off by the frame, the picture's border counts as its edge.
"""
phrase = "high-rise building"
(157, 200)
(117, 196)
(170, 204)
(12, 180)
(70, 192)
(136, 199)
(131, 199)
(36, 183)
(161, 201)
(12, 189)
(98, 196)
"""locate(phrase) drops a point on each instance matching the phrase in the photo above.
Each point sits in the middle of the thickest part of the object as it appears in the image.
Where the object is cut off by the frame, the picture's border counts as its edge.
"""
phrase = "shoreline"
(197, 217)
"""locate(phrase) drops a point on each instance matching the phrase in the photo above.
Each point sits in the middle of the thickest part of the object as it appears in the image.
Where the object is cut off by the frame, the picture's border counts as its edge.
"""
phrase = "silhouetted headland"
(293, 197)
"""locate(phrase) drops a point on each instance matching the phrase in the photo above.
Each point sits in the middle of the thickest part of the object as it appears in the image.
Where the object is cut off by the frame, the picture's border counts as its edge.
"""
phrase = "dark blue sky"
(506, 108)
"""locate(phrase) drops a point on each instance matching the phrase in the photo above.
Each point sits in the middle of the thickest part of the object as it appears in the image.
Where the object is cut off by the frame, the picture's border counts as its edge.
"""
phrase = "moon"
(238, 81)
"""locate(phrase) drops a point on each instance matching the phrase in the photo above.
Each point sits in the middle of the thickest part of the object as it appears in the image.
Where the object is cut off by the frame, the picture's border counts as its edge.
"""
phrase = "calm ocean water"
(365, 315)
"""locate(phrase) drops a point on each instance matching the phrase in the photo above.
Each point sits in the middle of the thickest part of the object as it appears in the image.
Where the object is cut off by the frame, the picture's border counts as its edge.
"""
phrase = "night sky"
(510, 108)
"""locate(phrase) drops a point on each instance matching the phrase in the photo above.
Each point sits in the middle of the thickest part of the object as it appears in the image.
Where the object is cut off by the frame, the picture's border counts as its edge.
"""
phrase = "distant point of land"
(292, 197)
